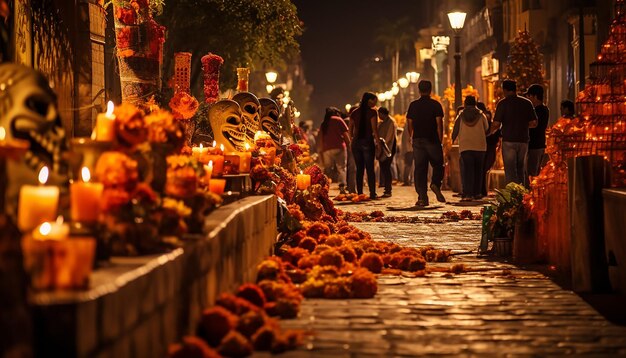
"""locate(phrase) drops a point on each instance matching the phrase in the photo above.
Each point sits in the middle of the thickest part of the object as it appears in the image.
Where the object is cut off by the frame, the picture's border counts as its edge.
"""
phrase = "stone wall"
(138, 306)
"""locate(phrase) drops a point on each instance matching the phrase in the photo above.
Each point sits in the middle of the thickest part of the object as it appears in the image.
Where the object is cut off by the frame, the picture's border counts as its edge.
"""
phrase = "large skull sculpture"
(269, 119)
(227, 125)
(28, 111)
(250, 108)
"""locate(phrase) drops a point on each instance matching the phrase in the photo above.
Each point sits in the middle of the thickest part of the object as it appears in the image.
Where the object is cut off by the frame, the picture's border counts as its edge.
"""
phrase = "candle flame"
(85, 174)
(214, 144)
(110, 108)
(45, 229)
(247, 146)
(60, 220)
(3, 133)
(222, 147)
(43, 175)
(301, 172)
(200, 145)
(211, 164)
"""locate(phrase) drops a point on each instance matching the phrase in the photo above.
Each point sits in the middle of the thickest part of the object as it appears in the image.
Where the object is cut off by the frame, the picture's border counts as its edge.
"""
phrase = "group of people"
(366, 134)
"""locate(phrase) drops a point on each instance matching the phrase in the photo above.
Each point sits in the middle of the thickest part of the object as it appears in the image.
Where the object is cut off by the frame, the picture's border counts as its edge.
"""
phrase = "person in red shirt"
(332, 142)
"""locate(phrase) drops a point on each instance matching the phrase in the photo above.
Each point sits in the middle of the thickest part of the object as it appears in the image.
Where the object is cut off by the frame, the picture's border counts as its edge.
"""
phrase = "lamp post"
(403, 83)
(413, 77)
(457, 20)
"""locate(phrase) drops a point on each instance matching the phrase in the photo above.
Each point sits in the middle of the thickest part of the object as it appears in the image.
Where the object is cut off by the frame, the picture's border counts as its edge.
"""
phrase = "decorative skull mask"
(28, 111)
(250, 108)
(269, 119)
(228, 127)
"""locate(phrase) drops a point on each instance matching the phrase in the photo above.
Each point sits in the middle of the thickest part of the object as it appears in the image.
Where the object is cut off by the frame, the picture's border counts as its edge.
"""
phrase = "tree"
(396, 36)
(244, 33)
(525, 63)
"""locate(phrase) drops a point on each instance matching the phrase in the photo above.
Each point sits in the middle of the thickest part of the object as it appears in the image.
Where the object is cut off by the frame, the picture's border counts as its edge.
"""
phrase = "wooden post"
(587, 177)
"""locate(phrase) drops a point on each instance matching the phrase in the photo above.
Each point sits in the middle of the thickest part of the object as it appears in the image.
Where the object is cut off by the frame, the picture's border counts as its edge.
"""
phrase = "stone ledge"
(139, 305)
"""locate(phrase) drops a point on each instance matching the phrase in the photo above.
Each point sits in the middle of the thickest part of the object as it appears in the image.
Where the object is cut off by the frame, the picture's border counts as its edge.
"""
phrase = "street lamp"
(413, 77)
(457, 20)
(271, 76)
(348, 107)
(269, 88)
(403, 83)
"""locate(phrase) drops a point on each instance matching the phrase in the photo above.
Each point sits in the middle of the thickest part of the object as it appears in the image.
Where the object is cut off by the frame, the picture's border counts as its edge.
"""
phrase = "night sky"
(338, 38)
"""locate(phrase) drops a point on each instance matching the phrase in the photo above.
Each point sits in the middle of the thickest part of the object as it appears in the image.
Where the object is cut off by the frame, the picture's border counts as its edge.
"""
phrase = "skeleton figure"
(269, 119)
(250, 108)
(227, 124)
(28, 111)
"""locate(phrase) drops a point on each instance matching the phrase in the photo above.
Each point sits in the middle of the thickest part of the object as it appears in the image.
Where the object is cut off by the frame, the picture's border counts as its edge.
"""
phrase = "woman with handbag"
(387, 131)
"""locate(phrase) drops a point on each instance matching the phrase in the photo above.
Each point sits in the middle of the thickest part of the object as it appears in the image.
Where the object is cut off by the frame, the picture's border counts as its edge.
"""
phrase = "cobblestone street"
(494, 309)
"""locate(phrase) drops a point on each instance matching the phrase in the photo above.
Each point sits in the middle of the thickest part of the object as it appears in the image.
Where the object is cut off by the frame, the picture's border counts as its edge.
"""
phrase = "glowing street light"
(395, 90)
(348, 107)
(269, 88)
(271, 76)
(457, 20)
(381, 97)
(413, 77)
(403, 82)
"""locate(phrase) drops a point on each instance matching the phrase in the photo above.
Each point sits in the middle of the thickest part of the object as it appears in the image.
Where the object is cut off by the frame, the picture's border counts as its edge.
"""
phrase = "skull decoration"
(28, 111)
(269, 119)
(250, 108)
(227, 124)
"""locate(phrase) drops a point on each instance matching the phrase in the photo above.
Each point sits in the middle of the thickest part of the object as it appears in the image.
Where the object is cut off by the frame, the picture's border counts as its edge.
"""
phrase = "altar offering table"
(137, 306)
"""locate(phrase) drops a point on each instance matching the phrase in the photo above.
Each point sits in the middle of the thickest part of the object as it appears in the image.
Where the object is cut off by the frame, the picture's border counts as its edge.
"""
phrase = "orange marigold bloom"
(183, 105)
(372, 262)
(215, 323)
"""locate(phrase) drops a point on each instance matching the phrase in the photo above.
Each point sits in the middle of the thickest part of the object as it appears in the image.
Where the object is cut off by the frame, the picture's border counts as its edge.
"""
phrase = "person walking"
(387, 129)
(515, 115)
(492, 147)
(426, 131)
(351, 173)
(406, 151)
(472, 134)
(334, 140)
(537, 143)
(364, 138)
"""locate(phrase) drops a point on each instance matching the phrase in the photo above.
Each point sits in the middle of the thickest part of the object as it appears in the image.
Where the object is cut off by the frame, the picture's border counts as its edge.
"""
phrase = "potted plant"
(506, 211)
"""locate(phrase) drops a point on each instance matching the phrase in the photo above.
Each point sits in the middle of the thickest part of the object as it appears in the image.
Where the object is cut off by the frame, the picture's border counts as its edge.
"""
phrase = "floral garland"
(211, 64)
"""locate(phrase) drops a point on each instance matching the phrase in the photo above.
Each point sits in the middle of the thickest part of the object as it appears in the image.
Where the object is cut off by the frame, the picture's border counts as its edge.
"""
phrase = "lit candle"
(216, 186)
(303, 181)
(57, 230)
(217, 157)
(244, 160)
(105, 124)
(85, 198)
(198, 152)
(37, 203)
(208, 171)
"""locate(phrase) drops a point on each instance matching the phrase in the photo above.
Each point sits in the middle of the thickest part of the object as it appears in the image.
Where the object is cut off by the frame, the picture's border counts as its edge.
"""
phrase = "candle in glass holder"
(216, 186)
(85, 198)
(303, 181)
(105, 124)
(37, 203)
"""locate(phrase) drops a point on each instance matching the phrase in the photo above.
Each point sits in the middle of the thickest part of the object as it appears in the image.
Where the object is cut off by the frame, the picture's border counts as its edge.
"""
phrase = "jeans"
(490, 159)
(407, 176)
(472, 172)
(385, 172)
(336, 158)
(427, 152)
(535, 157)
(364, 153)
(514, 157)
(351, 175)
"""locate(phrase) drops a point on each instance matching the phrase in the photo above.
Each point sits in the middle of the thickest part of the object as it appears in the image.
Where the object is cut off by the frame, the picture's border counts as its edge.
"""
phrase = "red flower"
(125, 16)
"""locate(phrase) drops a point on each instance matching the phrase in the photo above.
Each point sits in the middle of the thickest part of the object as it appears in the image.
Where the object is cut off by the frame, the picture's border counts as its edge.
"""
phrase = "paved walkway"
(494, 310)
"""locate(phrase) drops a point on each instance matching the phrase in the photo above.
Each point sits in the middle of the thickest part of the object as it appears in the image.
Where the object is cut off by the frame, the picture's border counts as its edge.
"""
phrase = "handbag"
(383, 152)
